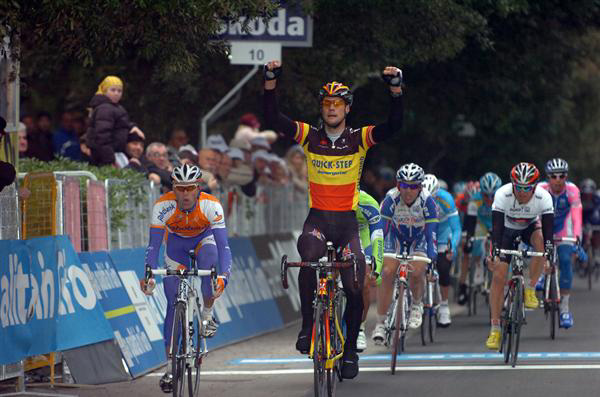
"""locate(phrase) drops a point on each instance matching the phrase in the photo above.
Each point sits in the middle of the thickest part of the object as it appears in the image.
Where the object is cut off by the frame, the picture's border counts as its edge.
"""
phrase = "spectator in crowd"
(248, 129)
(177, 139)
(296, 162)
(241, 172)
(217, 143)
(279, 172)
(109, 123)
(260, 143)
(260, 160)
(39, 138)
(159, 167)
(245, 147)
(23, 144)
(188, 155)
(29, 122)
(135, 154)
(65, 140)
(386, 180)
(224, 168)
(208, 161)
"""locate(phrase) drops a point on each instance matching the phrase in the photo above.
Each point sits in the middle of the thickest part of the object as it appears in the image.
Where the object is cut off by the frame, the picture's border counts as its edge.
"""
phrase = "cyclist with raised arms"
(188, 219)
(478, 222)
(335, 154)
(516, 211)
(410, 217)
(370, 229)
(567, 223)
(448, 230)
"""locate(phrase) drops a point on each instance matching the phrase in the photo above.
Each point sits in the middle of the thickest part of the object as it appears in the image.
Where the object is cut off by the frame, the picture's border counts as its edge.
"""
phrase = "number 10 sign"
(254, 52)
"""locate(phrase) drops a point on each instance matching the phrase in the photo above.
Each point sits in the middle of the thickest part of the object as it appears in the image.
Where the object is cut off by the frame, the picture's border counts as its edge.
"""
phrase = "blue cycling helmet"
(556, 165)
(489, 183)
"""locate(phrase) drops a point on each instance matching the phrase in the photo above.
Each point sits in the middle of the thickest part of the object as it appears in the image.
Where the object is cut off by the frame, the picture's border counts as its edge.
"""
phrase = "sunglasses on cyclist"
(524, 189)
(558, 176)
(412, 186)
(185, 188)
(337, 103)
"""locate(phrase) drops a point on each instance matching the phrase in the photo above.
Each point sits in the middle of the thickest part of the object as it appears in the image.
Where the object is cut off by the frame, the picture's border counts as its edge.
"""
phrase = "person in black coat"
(109, 123)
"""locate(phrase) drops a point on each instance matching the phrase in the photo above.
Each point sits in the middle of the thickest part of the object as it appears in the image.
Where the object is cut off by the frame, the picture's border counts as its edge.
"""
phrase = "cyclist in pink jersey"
(567, 223)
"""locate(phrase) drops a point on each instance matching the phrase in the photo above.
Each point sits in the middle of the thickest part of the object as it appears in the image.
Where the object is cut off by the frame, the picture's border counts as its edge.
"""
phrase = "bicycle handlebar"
(408, 258)
(565, 240)
(522, 254)
(317, 266)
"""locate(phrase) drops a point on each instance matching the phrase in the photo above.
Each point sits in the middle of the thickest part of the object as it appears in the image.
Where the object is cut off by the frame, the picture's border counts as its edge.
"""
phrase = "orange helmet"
(336, 89)
(524, 174)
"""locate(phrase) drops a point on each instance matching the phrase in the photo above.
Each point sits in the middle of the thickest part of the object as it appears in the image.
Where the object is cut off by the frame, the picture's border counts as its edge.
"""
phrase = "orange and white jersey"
(207, 213)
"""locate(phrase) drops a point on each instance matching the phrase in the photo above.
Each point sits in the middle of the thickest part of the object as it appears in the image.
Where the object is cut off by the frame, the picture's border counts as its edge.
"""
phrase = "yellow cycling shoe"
(493, 341)
(531, 301)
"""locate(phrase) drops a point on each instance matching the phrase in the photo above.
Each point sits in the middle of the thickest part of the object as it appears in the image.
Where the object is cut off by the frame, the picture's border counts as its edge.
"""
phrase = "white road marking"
(301, 371)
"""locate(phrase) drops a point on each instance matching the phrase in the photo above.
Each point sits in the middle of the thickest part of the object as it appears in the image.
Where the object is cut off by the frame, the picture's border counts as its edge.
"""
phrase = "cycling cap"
(431, 183)
(556, 165)
(336, 89)
(588, 186)
(524, 174)
(489, 183)
(186, 174)
(410, 172)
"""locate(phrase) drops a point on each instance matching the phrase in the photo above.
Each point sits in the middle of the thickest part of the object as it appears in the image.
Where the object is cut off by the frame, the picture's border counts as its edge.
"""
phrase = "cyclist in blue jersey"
(410, 217)
(478, 222)
(449, 231)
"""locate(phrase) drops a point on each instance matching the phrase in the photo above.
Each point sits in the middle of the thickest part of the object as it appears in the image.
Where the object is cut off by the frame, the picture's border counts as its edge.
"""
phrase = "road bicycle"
(327, 342)
(431, 304)
(188, 345)
(396, 321)
(514, 302)
(478, 287)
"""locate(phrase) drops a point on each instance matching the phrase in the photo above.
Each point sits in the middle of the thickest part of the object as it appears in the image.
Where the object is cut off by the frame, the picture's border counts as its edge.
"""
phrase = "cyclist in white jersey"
(516, 211)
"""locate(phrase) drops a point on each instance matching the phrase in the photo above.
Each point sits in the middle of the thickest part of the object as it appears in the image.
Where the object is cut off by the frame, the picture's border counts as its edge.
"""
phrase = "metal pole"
(211, 112)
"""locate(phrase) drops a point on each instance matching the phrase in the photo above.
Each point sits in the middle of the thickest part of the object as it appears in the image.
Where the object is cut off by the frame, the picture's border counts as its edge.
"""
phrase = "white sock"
(564, 304)
(207, 313)
(362, 326)
(495, 327)
(444, 303)
(381, 318)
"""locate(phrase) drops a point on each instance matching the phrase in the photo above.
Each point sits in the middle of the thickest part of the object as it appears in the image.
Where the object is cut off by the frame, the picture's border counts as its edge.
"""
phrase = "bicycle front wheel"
(517, 320)
(553, 306)
(319, 352)
(398, 327)
(193, 371)
(507, 325)
(179, 350)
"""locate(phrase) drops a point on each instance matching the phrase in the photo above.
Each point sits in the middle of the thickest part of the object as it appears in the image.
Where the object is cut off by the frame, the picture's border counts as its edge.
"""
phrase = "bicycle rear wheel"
(193, 371)
(318, 353)
(398, 327)
(517, 320)
(179, 350)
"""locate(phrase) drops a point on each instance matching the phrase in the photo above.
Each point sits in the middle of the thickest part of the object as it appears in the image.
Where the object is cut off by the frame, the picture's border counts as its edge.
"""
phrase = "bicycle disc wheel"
(517, 320)
(399, 323)
(178, 350)
(193, 371)
(318, 353)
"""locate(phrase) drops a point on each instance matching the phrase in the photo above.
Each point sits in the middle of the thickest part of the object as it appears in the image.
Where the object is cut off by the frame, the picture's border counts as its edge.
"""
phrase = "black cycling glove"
(271, 74)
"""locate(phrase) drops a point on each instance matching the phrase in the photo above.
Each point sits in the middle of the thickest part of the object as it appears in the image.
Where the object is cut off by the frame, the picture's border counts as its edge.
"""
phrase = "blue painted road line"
(433, 357)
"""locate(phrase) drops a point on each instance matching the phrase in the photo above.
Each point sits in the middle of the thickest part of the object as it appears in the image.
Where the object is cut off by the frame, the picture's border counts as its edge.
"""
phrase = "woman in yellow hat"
(109, 123)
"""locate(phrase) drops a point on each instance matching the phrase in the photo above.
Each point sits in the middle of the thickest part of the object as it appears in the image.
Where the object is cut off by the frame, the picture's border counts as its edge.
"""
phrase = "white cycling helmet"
(431, 183)
(556, 165)
(186, 174)
(588, 186)
(410, 172)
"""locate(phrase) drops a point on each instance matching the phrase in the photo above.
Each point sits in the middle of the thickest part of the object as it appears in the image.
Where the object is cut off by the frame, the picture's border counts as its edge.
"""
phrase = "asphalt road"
(457, 364)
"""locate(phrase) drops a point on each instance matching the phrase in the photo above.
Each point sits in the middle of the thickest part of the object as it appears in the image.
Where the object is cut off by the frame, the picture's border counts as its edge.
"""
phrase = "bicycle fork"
(547, 280)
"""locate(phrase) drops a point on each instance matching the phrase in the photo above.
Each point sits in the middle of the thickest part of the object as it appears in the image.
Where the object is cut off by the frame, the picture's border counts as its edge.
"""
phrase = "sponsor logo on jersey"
(164, 211)
(330, 164)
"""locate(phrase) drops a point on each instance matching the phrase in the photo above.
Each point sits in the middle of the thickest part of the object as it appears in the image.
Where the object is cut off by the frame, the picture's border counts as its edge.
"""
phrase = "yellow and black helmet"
(336, 89)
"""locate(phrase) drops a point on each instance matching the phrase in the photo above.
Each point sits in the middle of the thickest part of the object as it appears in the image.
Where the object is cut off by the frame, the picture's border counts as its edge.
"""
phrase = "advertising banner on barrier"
(247, 307)
(131, 330)
(269, 250)
(47, 301)
(146, 336)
